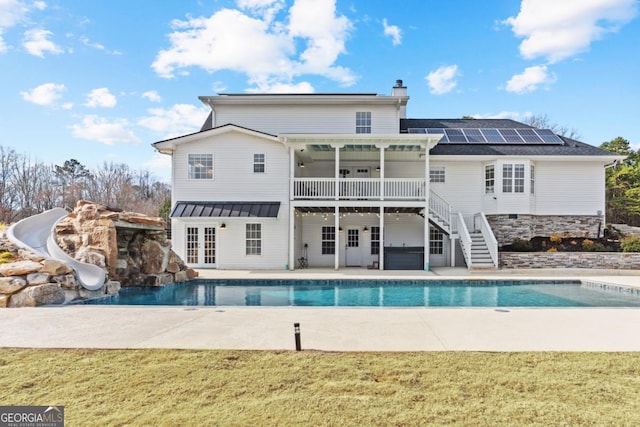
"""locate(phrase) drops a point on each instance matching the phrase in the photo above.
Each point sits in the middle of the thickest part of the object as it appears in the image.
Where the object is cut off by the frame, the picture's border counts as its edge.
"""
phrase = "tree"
(72, 178)
(623, 184)
(542, 121)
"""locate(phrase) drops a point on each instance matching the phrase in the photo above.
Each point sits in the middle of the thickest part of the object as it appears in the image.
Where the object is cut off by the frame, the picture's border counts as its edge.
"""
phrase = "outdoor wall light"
(377, 168)
(300, 165)
(223, 226)
(364, 230)
(340, 229)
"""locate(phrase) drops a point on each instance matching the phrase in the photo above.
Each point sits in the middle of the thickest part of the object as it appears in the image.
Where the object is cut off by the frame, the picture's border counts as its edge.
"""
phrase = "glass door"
(201, 246)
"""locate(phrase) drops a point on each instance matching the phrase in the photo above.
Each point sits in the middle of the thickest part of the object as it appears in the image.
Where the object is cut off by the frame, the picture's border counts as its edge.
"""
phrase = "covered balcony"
(359, 167)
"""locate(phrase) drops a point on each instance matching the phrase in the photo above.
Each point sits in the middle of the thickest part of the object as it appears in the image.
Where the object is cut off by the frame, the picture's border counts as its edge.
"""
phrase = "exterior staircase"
(480, 256)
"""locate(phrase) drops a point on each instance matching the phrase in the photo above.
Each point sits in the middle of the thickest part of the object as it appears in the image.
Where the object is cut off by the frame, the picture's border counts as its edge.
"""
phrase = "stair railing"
(487, 234)
(441, 210)
(465, 239)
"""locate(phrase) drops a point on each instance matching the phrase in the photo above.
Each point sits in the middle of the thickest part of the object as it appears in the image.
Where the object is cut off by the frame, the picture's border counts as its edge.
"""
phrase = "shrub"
(555, 238)
(587, 244)
(552, 250)
(519, 245)
(631, 244)
(7, 255)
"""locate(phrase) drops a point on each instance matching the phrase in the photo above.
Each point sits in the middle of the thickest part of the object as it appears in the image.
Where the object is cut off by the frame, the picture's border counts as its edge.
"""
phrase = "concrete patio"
(335, 329)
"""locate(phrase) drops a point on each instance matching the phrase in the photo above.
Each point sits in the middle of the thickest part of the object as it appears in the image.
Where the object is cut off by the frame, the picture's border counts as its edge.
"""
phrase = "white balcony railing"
(359, 188)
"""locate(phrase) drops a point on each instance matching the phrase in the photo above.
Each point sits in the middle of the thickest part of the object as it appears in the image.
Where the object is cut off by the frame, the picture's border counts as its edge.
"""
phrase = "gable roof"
(569, 147)
(166, 146)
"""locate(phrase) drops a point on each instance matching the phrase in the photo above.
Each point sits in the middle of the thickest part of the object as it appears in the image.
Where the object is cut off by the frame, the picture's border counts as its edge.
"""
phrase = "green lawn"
(262, 388)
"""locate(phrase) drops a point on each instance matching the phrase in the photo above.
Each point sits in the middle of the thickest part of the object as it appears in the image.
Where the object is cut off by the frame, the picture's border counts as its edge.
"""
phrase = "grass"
(262, 388)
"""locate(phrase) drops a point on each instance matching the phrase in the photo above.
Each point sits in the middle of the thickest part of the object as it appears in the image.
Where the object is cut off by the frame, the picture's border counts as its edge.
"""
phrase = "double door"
(201, 246)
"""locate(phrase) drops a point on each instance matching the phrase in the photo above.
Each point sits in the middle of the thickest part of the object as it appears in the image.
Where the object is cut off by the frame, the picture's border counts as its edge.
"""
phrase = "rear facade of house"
(286, 181)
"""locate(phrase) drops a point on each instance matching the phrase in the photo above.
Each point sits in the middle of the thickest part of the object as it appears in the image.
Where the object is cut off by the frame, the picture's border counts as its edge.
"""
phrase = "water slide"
(37, 233)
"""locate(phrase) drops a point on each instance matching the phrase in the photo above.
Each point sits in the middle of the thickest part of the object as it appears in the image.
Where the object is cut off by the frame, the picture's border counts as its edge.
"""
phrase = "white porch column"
(292, 221)
(292, 170)
(381, 250)
(292, 210)
(382, 173)
(452, 248)
(337, 234)
(337, 173)
(427, 195)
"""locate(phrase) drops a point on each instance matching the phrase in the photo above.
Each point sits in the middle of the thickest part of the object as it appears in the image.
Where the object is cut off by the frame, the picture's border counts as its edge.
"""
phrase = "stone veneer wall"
(604, 260)
(525, 227)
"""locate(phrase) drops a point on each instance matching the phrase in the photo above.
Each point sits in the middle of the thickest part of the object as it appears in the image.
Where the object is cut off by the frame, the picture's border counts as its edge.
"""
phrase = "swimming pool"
(376, 293)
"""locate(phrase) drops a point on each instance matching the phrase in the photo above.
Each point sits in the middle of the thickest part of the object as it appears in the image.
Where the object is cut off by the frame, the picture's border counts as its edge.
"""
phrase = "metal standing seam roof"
(225, 209)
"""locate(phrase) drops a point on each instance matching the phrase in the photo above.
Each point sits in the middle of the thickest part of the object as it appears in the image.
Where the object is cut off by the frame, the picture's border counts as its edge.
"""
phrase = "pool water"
(376, 293)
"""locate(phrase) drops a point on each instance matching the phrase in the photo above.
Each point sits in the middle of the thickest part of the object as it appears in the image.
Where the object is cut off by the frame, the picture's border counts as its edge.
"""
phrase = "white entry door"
(353, 248)
(201, 246)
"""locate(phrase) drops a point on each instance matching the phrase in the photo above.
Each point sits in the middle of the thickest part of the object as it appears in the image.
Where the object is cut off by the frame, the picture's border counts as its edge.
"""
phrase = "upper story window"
(513, 178)
(200, 166)
(363, 122)
(489, 179)
(258, 163)
(436, 174)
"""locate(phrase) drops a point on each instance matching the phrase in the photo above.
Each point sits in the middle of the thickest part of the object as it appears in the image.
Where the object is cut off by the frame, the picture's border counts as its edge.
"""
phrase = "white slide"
(37, 233)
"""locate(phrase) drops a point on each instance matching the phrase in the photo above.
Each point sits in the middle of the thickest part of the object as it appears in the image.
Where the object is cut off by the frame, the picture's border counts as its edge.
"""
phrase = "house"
(285, 181)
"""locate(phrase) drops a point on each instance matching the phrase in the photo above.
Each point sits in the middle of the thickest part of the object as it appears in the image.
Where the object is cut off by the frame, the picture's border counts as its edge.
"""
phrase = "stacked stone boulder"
(133, 248)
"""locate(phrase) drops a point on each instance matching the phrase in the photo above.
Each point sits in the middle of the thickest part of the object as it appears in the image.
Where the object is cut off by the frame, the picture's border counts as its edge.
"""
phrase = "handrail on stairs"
(441, 209)
(465, 239)
(489, 238)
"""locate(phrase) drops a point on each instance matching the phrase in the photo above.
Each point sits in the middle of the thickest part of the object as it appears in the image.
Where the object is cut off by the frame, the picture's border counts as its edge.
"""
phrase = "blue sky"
(101, 80)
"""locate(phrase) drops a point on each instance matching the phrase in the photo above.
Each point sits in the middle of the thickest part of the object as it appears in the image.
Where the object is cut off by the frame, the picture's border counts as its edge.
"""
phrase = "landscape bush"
(631, 244)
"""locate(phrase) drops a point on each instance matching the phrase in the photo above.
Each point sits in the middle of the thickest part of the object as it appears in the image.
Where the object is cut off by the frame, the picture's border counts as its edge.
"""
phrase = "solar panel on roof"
(438, 131)
(455, 135)
(473, 135)
(510, 135)
(547, 135)
(529, 135)
(417, 130)
(492, 135)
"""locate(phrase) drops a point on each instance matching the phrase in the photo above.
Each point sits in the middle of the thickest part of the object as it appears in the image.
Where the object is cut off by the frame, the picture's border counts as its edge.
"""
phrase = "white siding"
(277, 119)
(233, 176)
(463, 187)
(569, 188)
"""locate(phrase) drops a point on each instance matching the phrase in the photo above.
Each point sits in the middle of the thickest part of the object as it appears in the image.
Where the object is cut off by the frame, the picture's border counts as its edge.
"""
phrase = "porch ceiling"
(361, 209)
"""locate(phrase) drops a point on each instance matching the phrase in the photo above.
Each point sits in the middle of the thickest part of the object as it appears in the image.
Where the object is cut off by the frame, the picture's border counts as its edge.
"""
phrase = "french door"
(201, 246)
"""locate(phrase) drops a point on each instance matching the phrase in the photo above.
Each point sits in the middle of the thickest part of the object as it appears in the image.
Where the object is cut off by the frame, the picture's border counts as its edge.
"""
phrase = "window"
(533, 179)
(254, 239)
(375, 240)
(258, 163)
(436, 174)
(513, 178)
(489, 179)
(436, 242)
(328, 240)
(200, 166)
(363, 122)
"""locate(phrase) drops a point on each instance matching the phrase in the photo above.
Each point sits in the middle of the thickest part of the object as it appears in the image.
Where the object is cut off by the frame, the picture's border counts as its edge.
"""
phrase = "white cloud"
(530, 79)
(36, 42)
(302, 87)
(513, 115)
(46, 94)
(252, 41)
(152, 96)
(100, 97)
(40, 5)
(392, 31)
(159, 161)
(11, 13)
(442, 80)
(178, 120)
(556, 30)
(95, 128)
